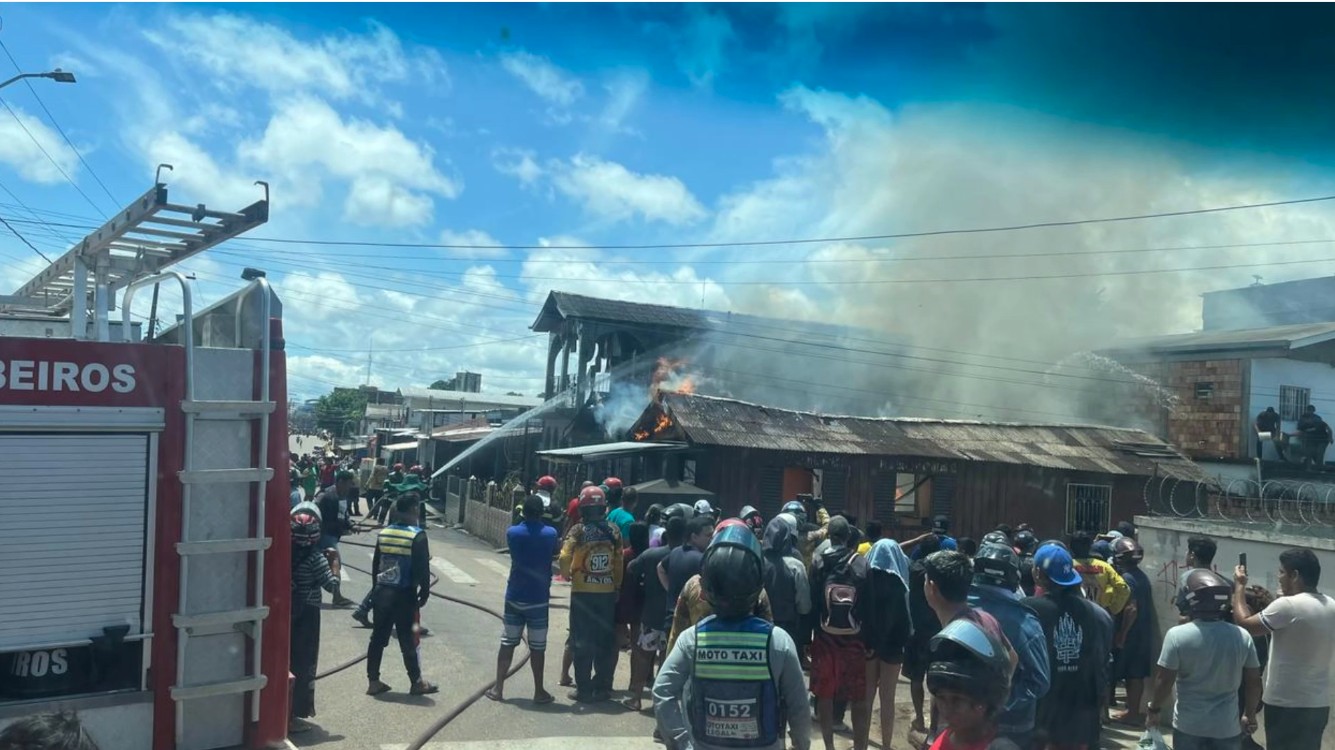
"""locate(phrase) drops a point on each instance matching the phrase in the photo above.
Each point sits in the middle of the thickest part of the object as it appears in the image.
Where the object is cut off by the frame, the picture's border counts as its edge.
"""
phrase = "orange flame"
(668, 378)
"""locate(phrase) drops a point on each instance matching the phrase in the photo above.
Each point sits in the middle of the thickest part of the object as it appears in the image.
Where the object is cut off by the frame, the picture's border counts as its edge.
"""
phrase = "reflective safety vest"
(395, 544)
(734, 698)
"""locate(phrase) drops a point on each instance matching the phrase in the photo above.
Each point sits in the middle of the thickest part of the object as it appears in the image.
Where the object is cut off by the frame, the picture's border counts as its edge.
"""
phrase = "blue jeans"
(1184, 741)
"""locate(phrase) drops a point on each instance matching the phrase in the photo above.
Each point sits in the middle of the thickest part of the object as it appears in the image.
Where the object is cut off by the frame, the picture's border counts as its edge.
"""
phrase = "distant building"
(468, 382)
(1223, 378)
(1268, 305)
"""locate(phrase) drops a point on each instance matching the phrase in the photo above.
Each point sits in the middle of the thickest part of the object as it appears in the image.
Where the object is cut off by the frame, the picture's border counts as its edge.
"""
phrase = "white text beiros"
(41, 375)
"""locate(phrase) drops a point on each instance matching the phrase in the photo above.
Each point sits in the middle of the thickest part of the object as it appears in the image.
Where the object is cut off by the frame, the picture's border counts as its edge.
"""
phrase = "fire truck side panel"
(272, 727)
(115, 379)
(88, 388)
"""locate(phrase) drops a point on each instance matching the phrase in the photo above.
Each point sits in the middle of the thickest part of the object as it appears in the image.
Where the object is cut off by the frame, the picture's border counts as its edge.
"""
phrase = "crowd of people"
(746, 629)
(326, 495)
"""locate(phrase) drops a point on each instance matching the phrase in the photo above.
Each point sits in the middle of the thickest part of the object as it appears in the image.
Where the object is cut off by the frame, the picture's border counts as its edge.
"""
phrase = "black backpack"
(844, 583)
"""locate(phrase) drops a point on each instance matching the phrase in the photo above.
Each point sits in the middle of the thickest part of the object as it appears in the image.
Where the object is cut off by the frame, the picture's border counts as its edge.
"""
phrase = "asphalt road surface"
(460, 656)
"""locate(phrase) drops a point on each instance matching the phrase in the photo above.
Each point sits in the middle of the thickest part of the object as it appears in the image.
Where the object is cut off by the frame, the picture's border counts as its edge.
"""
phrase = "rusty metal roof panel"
(709, 420)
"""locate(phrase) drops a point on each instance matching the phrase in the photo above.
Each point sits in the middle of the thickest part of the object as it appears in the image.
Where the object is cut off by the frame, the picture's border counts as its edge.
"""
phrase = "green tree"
(336, 409)
(439, 385)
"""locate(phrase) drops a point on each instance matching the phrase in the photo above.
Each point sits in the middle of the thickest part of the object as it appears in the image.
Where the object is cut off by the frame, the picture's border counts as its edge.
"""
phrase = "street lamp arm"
(57, 75)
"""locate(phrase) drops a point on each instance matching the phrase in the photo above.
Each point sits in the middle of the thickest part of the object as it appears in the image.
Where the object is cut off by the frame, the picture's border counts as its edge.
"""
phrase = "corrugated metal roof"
(708, 420)
(1283, 337)
(429, 398)
(561, 305)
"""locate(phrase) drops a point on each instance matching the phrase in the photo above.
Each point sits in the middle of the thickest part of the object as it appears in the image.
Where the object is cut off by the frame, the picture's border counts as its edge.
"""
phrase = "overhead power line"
(794, 241)
(24, 240)
(50, 158)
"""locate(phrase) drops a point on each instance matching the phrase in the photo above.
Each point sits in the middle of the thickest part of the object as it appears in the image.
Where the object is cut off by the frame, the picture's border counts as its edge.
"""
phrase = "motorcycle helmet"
(729, 522)
(592, 497)
(1207, 594)
(796, 509)
(1025, 541)
(305, 530)
(547, 483)
(1128, 551)
(732, 574)
(612, 483)
(398, 467)
(676, 510)
(753, 519)
(653, 515)
(703, 508)
(1102, 550)
(996, 565)
(996, 537)
(967, 659)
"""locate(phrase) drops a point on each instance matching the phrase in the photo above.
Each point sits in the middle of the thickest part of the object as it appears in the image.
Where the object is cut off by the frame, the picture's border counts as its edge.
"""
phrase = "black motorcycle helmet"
(967, 659)
(653, 515)
(997, 537)
(996, 565)
(732, 573)
(1127, 551)
(1207, 594)
(677, 510)
(1025, 541)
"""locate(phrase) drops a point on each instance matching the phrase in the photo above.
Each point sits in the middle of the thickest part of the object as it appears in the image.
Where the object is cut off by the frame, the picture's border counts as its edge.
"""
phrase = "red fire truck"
(145, 564)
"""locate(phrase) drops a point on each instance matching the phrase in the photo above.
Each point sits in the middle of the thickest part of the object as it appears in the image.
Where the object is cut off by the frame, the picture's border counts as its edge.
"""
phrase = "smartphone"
(1242, 560)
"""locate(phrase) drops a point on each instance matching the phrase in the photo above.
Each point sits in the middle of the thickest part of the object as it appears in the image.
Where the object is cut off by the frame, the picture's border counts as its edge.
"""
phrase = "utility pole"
(370, 346)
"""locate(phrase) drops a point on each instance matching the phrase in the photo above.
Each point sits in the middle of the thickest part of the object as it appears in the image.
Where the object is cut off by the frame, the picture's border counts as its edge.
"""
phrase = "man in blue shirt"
(995, 588)
(532, 546)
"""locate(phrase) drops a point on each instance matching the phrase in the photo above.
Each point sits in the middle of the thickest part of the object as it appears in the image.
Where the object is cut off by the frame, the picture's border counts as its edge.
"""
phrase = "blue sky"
(566, 124)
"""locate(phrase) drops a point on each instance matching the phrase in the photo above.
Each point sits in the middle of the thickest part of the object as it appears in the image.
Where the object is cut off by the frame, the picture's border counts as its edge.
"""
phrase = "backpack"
(843, 585)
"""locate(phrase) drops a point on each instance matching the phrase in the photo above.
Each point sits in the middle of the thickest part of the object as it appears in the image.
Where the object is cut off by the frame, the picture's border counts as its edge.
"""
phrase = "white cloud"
(231, 49)
(556, 86)
(624, 92)
(481, 245)
(610, 191)
(23, 152)
(391, 177)
(518, 163)
(375, 200)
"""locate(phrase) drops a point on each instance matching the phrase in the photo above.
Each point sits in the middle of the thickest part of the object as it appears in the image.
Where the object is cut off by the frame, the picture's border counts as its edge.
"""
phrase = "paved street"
(460, 657)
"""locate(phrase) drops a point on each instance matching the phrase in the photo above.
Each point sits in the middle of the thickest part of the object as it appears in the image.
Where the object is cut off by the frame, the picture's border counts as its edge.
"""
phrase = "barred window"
(1293, 401)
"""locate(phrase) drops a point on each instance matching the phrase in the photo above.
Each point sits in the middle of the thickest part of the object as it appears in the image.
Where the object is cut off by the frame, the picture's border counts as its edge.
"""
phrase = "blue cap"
(1057, 564)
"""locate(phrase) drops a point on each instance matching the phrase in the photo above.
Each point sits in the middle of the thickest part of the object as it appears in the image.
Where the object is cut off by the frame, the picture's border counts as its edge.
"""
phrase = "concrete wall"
(1165, 543)
(488, 524)
(1268, 375)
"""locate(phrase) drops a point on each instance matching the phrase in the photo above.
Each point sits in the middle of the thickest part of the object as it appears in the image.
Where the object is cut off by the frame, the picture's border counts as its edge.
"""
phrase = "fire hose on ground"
(463, 705)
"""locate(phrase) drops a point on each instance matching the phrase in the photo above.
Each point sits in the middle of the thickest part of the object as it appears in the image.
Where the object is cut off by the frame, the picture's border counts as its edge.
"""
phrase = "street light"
(57, 75)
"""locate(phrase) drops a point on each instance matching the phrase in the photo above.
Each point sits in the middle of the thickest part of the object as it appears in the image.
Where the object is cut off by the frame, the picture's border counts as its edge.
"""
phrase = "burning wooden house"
(901, 471)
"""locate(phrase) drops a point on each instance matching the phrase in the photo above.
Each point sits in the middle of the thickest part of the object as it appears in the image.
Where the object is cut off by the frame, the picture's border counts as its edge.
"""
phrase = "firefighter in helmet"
(591, 558)
(733, 679)
(402, 586)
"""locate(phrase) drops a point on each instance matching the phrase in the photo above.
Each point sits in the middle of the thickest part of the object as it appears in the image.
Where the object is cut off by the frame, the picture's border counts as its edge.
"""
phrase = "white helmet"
(703, 508)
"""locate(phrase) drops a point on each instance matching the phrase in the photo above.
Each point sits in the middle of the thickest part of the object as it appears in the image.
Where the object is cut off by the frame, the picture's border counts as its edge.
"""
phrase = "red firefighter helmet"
(398, 467)
(547, 482)
(416, 469)
(592, 497)
(305, 529)
(612, 483)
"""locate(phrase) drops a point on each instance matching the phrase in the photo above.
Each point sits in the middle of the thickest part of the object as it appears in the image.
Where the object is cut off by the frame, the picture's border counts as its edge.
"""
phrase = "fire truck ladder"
(147, 236)
(248, 619)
